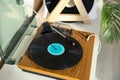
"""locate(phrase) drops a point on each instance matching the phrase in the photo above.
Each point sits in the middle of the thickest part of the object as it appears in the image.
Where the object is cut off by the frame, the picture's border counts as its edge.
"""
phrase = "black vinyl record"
(68, 54)
(69, 10)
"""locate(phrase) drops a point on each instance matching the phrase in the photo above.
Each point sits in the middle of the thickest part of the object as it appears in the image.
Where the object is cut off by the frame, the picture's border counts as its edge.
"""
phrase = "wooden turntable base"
(80, 71)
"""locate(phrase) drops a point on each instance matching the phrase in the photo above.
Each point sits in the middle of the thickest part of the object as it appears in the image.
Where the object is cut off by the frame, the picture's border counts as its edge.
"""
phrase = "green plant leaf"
(110, 22)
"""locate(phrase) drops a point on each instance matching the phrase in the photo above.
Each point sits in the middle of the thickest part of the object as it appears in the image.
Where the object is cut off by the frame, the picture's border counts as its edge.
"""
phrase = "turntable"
(75, 64)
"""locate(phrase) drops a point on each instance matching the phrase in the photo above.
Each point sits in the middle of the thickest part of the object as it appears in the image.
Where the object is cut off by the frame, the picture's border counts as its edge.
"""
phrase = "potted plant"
(110, 21)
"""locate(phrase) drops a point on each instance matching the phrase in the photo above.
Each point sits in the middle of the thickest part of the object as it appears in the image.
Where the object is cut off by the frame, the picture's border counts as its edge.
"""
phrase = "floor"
(108, 62)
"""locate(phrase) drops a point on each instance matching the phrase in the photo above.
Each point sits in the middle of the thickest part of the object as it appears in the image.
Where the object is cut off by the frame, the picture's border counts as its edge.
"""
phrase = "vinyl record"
(52, 51)
(69, 10)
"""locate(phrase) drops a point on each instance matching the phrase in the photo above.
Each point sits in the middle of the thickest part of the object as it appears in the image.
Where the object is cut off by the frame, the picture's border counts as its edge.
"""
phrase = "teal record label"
(56, 49)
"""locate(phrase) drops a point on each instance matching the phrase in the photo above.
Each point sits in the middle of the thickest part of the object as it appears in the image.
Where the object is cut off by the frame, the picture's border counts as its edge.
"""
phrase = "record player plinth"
(80, 71)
